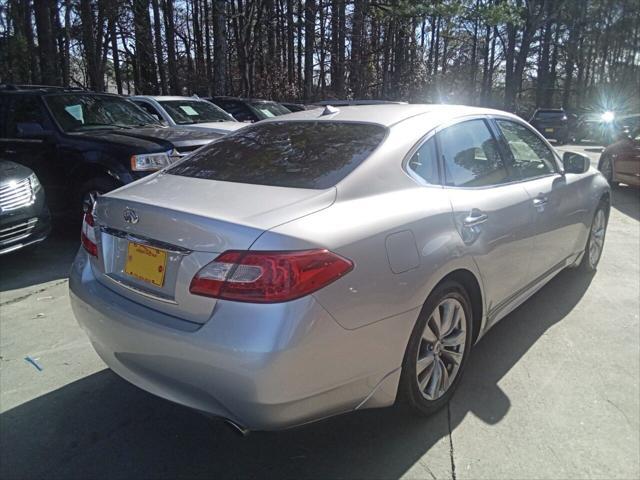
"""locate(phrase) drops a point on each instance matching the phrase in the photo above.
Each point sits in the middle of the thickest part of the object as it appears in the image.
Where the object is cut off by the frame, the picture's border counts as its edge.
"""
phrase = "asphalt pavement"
(551, 392)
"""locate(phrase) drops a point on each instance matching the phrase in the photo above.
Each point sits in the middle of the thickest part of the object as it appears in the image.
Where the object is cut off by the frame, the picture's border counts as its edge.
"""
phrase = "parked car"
(331, 260)
(293, 107)
(249, 109)
(347, 103)
(620, 161)
(188, 113)
(24, 217)
(596, 127)
(82, 144)
(552, 123)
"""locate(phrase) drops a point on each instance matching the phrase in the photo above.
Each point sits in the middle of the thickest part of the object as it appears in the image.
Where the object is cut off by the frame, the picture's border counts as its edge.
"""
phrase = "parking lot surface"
(551, 392)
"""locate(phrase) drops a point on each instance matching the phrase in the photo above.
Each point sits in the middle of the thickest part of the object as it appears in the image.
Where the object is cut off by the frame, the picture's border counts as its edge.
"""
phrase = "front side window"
(531, 156)
(188, 112)
(425, 162)
(80, 112)
(285, 154)
(470, 155)
(24, 110)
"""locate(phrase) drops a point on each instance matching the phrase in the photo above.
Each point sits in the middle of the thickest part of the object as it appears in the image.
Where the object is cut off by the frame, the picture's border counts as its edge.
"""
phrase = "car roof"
(240, 99)
(168, 98)
(386, 114)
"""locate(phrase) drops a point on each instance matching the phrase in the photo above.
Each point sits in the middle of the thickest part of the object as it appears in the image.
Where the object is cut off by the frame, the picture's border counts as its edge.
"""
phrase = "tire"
(95, 186)
(606, 168)
(595, 240)
(448, 295)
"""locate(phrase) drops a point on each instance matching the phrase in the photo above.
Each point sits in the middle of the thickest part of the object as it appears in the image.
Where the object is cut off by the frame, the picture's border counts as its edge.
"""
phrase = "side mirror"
(575, 162)
(32, 130)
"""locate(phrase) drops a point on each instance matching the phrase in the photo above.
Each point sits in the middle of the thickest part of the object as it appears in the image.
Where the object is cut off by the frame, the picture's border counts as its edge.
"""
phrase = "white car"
(189, 113)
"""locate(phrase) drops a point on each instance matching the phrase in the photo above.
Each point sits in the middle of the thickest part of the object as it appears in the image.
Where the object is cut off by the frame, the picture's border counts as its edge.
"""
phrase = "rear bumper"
(262, 366)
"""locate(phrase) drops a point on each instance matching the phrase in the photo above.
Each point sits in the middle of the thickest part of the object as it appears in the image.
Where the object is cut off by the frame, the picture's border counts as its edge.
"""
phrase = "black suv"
(552, 123)
(249, 109)
(81, 144)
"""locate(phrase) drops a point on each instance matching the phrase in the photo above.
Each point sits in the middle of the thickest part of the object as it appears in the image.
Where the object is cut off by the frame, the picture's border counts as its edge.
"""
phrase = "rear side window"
(425, 162)
(24, 109)
(285, 154)
(471, 157)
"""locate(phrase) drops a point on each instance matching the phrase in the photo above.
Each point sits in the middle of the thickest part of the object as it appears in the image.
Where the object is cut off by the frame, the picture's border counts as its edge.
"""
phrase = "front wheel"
(437, 350)
(595, 242)
(606, 168)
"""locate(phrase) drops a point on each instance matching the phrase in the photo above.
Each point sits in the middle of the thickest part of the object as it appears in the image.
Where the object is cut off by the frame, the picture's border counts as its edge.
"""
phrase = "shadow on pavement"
(102, 427)
(627, 200)
(44, 262)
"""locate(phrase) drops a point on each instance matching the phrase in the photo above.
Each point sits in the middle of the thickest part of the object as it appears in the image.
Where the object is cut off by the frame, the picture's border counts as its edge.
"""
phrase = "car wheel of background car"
(93, 188)
(595, 242)
(437, 350)
(606, 168)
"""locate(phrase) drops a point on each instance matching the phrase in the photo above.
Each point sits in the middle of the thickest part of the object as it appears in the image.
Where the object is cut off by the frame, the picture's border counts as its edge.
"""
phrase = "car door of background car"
(20, 143)
(492, 213)
(557, 200)
(628, 161)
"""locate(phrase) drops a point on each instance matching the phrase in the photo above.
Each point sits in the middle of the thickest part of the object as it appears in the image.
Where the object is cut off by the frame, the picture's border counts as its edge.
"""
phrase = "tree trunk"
(169, 28)
(46, 43)
(146, 65)
(219, 47)
(157, 28)
(309, 43)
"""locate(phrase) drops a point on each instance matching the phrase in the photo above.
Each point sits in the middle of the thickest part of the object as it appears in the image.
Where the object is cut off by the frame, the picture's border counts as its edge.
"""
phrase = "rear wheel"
(595, 242)
(437, 350)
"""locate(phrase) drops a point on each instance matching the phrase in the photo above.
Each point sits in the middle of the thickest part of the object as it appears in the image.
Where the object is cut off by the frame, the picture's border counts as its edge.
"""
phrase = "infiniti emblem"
(130, 215)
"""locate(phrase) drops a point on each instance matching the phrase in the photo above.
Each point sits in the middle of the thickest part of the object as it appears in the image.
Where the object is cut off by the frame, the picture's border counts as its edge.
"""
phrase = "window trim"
(487, 121)
(559, 169)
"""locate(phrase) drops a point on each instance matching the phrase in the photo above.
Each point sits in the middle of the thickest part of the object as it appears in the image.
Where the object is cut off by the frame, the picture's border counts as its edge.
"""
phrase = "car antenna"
(329, 110)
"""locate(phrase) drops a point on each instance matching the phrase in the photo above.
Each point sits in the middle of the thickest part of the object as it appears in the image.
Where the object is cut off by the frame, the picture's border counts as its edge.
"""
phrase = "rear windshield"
(550, 115)
(285, 154)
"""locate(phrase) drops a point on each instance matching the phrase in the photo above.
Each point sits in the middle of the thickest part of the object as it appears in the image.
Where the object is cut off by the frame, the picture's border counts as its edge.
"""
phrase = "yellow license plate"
(146, 263)
(548, 130)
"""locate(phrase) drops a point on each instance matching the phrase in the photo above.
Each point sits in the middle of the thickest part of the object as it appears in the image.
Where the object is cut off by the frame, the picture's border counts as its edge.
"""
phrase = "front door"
(628, 161)
(492, 213)
(557, 201)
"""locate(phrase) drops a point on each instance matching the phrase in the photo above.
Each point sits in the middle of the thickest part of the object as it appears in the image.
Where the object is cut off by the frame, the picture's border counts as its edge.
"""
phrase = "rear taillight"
(268, 277)
(88, 235)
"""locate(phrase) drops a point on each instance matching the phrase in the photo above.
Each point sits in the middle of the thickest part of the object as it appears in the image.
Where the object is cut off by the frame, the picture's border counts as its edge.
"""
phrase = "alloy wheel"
(441, 349)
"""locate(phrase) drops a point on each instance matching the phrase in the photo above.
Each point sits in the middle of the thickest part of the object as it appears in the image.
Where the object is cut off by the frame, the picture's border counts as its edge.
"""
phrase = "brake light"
(268, 276)
(88, 235)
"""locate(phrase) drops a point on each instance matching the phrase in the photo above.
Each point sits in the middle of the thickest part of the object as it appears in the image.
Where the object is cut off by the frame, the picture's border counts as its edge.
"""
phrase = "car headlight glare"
(35, 183)
(149, 162)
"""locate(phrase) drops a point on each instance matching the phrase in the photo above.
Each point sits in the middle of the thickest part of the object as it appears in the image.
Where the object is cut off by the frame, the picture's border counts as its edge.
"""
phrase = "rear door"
(558, 201)
(491, 213)
(628, 161)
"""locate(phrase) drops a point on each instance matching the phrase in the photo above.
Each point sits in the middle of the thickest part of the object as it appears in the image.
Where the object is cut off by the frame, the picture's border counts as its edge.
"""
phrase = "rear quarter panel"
(360, 230)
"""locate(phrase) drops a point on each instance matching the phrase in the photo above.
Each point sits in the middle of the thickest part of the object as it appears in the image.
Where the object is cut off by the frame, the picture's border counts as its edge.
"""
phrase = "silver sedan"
(331, 261)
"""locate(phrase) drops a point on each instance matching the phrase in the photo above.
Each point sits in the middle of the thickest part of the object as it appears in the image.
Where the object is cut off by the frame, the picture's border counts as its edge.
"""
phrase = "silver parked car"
(332, 260)
(188, 113)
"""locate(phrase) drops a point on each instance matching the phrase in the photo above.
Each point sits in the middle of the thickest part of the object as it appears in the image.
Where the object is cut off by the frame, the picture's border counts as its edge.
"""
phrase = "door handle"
(475, 217)
(540, 200)
(10, 152)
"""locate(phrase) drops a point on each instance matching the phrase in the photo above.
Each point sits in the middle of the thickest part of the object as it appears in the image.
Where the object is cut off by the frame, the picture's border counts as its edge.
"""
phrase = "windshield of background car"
(76, 113)
(269, 109)
(285, 154)
(550, 116)
(192, 111)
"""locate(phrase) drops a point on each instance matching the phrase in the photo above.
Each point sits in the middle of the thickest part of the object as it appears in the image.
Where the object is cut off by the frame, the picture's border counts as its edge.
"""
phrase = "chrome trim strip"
(141, 292)
(146, 241)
